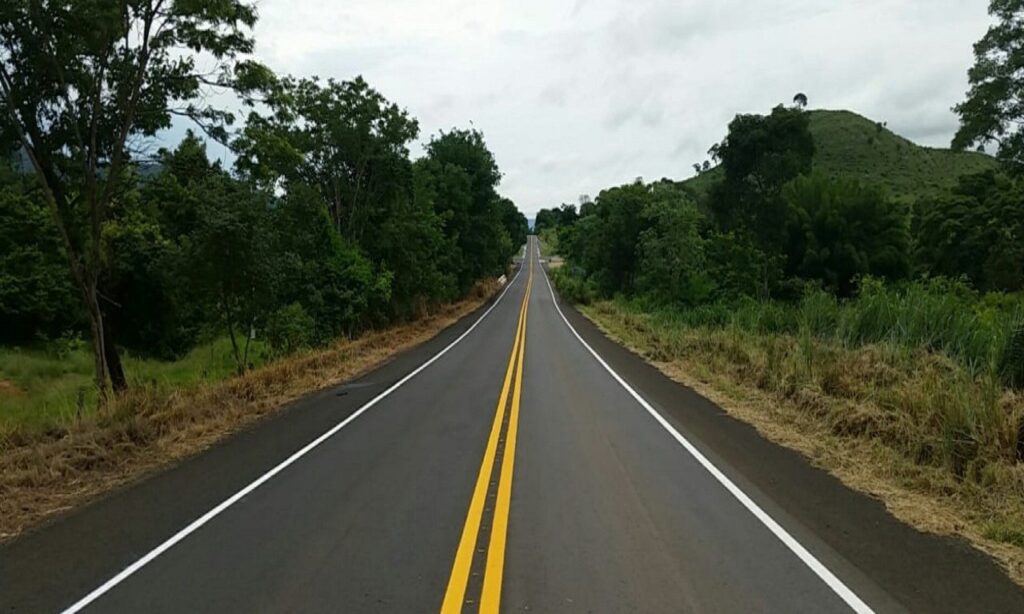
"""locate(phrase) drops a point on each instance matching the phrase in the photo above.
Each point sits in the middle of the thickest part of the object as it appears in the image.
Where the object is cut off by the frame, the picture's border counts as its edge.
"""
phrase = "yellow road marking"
(490, 599)
(456, 591)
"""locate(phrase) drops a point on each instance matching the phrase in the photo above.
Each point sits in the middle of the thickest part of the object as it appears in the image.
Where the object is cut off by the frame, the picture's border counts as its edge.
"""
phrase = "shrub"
(573, 286)
(290, 329)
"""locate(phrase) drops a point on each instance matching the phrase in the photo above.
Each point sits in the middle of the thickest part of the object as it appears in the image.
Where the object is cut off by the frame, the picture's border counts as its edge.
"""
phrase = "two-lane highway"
(519, 460)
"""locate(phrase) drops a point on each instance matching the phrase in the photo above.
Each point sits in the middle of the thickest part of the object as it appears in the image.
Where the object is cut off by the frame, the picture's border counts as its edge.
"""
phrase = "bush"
(574, 287)
(290, 329)
(985, 334)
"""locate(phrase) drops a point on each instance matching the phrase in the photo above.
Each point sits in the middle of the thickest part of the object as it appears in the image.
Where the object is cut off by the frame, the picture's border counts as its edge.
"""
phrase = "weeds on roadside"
(928, 371)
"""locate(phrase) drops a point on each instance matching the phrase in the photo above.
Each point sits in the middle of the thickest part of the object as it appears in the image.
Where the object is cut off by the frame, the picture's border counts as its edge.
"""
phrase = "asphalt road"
(519, 460)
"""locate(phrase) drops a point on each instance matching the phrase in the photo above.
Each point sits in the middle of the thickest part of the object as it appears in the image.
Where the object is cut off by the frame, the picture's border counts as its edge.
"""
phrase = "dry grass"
(877, 417)
(43, 473)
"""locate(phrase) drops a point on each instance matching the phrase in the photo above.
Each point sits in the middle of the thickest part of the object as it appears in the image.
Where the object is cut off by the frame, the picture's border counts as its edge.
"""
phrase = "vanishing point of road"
(520, 460)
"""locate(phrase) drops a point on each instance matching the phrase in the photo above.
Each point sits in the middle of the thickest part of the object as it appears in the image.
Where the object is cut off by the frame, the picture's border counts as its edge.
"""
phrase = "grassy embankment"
(57, 451)
(46, 386)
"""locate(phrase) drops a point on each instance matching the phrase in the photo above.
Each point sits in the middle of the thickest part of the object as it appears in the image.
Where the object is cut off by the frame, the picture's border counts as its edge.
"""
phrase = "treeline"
(323, 227)
(772, 229)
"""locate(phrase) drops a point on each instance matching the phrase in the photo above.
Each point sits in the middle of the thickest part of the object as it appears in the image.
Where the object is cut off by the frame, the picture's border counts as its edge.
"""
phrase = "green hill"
(854, 146)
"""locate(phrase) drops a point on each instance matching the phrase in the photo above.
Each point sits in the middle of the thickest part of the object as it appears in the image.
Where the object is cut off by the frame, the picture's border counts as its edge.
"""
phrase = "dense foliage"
(994, 106)
(770, 230)
(324, 227)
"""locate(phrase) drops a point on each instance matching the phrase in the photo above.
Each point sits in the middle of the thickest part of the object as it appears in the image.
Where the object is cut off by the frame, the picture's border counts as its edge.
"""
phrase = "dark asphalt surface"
(609, 513)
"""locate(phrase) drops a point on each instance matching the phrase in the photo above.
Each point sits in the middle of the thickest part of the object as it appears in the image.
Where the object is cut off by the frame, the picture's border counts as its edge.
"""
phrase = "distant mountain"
(23, 164)
(851, 145)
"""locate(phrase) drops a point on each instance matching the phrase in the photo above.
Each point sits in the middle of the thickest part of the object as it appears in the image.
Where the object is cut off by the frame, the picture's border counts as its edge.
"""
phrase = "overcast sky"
(578, 95)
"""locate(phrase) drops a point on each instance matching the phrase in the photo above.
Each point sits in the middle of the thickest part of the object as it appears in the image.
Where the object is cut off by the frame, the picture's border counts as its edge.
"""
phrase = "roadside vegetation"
(47, 470)
(134, 276)
(853, 295)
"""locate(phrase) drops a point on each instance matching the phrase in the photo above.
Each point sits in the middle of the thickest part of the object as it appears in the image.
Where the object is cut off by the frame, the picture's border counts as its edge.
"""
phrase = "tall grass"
(936, 315)
(52, 384)
(929, 363)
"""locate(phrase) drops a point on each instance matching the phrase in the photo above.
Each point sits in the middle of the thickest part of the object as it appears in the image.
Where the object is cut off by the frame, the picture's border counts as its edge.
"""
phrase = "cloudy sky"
(578, 95)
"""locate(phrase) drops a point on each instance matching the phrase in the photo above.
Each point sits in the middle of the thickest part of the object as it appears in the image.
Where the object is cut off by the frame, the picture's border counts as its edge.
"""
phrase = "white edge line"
(199, 522)
(834, 583)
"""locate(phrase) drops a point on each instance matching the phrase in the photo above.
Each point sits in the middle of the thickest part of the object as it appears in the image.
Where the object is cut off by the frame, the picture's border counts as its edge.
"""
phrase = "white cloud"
(578, 95)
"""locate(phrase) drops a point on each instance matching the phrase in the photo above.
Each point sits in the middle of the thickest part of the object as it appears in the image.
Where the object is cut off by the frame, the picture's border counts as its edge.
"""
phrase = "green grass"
(850, 145)
(54, 386)
(1004, 532)
(935, 315)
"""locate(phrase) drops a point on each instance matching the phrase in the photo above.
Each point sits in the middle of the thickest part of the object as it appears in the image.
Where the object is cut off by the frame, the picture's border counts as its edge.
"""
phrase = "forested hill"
(853, 146)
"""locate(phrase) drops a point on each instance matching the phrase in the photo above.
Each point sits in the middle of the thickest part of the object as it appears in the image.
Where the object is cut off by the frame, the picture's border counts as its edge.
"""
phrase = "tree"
(555, 217)
(975, 231)
(759, 156)
(343, 137)
(148, 275)
(738, 267)
(80, 82)
(460, 177)
(37, 295)
(234, 260)
(994, 107)
(845, 230)
(514, 222)
(800, 100)
(672, 266)
(604, 243)
(320, 270)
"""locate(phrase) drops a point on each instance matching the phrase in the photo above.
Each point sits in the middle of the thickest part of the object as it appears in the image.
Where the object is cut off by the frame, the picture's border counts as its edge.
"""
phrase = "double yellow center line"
(490, 596)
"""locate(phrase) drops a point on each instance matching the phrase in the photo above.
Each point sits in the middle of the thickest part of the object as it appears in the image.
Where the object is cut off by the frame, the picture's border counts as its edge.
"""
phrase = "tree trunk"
(231, 335)
(90, 298)
(115, 369)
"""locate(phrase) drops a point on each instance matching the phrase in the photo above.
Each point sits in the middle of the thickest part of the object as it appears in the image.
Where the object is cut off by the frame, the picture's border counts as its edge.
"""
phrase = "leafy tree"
(460, 176)
(37, 294)
(975, 231)
(514, 222)
(79, 82)
(154, 308)
(555, 217)
(800, 100)
(739, 268)
(604, 243)
(351, 144)
(343, 137)
(320, 270)
(672, 265)
(290, 329)
(759, 156)
(846, 230)
(611, 236)
(994, 108)
(233, 262)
